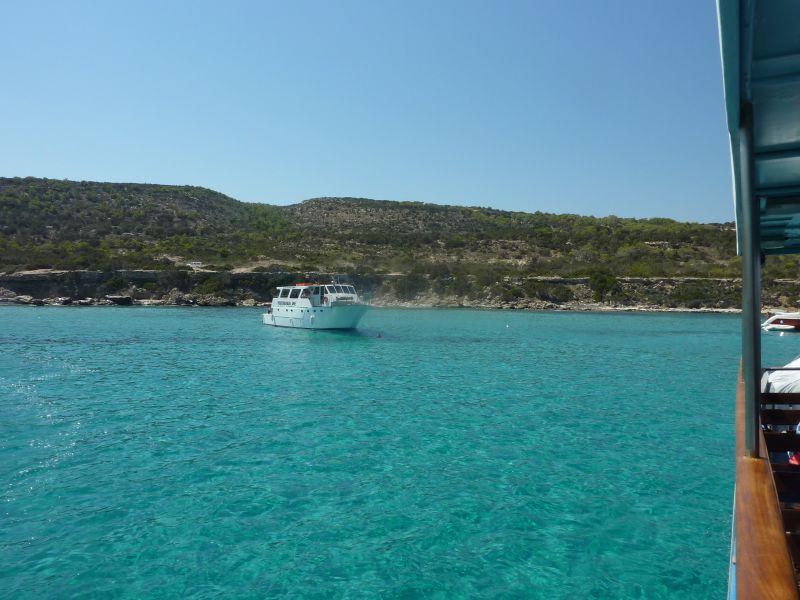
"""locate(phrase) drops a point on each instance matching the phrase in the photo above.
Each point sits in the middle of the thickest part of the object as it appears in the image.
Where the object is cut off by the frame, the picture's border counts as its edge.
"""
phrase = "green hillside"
(108, 226)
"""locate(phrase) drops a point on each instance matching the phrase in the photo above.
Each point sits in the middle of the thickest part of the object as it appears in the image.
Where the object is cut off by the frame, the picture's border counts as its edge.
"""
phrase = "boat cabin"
(316, 306)
(313, 294)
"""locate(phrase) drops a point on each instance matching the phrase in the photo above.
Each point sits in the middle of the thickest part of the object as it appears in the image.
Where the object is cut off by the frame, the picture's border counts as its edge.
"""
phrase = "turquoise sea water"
(171, 452)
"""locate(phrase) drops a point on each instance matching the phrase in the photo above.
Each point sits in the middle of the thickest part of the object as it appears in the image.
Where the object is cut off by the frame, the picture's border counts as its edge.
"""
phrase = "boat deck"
(767, 507)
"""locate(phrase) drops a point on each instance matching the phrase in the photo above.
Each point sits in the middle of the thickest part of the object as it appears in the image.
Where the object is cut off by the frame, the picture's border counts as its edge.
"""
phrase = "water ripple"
(197, 453)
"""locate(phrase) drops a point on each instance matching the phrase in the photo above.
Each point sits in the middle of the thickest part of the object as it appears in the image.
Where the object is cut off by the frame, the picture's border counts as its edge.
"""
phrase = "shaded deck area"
(767, 511)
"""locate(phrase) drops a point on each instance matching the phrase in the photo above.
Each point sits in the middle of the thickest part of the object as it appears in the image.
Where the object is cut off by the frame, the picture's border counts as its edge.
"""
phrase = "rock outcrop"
(153, 288)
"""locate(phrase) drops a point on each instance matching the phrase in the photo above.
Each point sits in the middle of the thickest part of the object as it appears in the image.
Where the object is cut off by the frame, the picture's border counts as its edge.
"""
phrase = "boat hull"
(337, 317)
(782, 322)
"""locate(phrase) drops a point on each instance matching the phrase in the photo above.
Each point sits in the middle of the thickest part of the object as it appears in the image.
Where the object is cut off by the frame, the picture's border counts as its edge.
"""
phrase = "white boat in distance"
(316, 306)
(782, 322)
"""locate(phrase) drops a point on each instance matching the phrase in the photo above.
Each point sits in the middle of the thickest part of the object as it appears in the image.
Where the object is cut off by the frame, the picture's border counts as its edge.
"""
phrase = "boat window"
(315, 290)
(330, 289)
(284, 293)
(295, 293)
(339, 289)
(351, 289)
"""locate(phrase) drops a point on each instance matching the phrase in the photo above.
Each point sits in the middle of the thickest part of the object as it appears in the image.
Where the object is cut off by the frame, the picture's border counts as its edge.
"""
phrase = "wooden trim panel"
(780, 417)
(764, 568)
(780, 398)
(791, 519)
(782, 442)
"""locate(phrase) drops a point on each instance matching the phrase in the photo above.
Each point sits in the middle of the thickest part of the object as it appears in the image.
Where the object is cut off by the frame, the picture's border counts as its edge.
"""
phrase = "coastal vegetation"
(409, 248)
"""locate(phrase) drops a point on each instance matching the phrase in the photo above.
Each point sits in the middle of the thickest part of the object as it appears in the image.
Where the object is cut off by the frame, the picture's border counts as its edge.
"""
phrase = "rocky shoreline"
(177, 298)
(251, 289)
(173, 298)
(567, 307)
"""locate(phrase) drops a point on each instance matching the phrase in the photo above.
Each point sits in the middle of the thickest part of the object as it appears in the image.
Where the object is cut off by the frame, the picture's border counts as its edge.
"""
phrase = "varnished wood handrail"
(764, 568)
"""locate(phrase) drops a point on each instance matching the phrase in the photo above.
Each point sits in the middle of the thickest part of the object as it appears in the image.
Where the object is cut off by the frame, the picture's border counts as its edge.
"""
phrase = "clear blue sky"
(595, 108)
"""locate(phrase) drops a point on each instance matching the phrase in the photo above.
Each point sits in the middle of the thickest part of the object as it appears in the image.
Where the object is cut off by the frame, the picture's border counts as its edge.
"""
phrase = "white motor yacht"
(316, 306)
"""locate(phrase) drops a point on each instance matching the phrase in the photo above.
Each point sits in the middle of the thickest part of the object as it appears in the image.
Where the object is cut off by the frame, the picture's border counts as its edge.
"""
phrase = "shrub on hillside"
(114, 284)
(602, 283)
(409, 286)
(212, 284)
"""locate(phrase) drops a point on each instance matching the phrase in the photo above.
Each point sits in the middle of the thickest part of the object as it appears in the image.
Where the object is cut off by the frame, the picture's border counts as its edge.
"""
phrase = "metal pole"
(751, 284)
